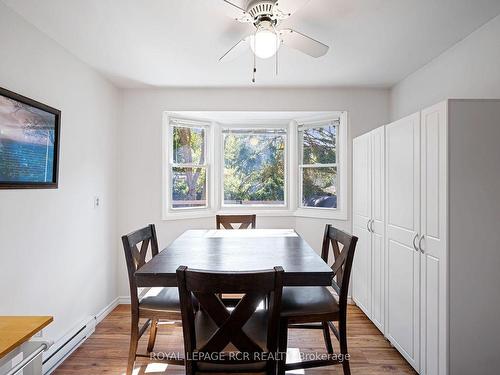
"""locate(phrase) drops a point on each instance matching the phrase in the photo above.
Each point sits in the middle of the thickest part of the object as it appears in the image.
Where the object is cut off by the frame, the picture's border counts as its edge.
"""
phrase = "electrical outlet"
(97, 201)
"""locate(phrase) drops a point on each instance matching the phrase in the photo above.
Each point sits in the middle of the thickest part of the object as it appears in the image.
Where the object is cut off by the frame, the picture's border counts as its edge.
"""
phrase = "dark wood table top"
(238, 250)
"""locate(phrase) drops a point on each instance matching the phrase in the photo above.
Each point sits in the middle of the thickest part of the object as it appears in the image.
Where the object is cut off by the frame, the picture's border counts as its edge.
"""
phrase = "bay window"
(290, 167)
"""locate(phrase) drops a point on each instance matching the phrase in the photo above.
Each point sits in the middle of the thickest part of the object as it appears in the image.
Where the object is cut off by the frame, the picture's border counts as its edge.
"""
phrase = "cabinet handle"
(420, 244)
(368, 225)
(371, 225)
(414, 245)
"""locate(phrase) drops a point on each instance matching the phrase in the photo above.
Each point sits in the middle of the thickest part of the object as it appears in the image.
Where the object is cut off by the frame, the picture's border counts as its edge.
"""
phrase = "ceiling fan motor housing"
(258, 9)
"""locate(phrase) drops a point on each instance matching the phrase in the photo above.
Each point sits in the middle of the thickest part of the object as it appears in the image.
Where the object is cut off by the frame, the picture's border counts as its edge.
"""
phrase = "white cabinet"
(403, 228)
(431, 285)
(433, 239)
(416, 151)
(361, 275)
(377, 226)
(368, 224)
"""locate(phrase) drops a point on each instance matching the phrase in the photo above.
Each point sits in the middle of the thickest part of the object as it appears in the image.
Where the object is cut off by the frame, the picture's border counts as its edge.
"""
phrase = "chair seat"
(306, 301)
(255, 328)
(161, 299)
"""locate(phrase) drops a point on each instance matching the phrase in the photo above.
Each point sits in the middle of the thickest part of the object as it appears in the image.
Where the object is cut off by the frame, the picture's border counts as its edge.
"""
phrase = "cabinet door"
(361, 282)
(378, 226)
(403, 218)
(434, 241)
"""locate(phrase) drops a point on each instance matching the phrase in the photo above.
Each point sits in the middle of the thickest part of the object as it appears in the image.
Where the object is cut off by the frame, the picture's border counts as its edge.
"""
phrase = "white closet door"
(378, 225)
(361, 282)
(434, 242)
(403, 218)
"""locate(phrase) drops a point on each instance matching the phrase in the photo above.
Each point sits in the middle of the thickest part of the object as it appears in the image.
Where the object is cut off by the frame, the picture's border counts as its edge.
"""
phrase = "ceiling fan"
(267, 38)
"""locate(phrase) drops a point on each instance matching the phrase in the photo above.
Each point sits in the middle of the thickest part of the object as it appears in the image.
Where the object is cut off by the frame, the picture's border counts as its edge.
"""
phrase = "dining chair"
(162, 304)
(223, 340)
(302, 306)
(227, 221)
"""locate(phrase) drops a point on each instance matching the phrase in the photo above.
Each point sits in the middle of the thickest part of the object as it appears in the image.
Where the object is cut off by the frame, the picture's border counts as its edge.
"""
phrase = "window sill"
(321, 214)
(185, 215)
(258, 212)
(301, 212)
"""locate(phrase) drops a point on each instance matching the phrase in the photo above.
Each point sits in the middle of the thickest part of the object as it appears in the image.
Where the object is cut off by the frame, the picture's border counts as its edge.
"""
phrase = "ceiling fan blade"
(235, 10)
(236, 50)
(289, 7)
(303, 43)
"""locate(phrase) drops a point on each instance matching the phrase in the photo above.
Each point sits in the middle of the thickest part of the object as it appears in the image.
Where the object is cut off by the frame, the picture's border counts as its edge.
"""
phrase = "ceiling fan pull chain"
(254, 68)
(254, 59)
(278, 42)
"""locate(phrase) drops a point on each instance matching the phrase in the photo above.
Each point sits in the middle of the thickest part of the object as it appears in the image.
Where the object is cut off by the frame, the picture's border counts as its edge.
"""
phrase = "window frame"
(170, 122)
(340, 212)
(319, 124)
(257, 207)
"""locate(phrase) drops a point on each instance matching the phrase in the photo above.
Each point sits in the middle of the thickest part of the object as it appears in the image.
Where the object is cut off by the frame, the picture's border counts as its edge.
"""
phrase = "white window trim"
(168, 212)
(339, 213)
(215, 173)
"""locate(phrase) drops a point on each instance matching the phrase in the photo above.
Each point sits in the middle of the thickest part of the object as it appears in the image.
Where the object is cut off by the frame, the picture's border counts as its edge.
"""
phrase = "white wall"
(474, 237)
(141, 158)
(58, 253)
(470, 69)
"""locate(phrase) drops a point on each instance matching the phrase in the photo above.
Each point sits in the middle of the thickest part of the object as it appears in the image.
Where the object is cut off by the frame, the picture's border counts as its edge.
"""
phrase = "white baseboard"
(67, 344)
(124, 300)
(99, 317)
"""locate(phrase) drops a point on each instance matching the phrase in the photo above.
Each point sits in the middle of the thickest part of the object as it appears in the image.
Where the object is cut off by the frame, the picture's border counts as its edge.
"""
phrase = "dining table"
(235, 251)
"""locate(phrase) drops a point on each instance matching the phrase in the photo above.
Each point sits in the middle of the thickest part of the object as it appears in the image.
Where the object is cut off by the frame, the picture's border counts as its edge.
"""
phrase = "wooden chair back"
(342, 260)
(206, 288)
(227, 221)
(136, 257)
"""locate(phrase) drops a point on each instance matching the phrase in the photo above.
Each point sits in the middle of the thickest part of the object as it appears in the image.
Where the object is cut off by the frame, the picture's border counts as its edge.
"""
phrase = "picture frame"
(29, 143)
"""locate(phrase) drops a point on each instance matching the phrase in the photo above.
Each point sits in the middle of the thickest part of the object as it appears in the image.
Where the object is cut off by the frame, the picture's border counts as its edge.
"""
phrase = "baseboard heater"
(63, 348)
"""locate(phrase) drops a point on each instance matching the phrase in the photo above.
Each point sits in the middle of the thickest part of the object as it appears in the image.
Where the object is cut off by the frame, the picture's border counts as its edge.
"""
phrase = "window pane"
(189, 188)
(254, 168)
(318, 145)
(319, 187)
(189, 145)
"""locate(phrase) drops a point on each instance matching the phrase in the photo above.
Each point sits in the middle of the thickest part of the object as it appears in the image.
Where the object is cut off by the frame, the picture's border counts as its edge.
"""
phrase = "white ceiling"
(177, 43)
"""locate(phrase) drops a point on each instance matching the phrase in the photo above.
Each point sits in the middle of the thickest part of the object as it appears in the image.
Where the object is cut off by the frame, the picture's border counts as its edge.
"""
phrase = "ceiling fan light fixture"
(265, 43)
(268, 36)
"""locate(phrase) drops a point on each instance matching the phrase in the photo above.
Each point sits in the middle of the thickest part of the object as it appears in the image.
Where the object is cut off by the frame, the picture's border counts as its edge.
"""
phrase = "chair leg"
(282, 346)
(327, 338)
(152, 334)
(134, 340)
(271, 368)
(343, 345)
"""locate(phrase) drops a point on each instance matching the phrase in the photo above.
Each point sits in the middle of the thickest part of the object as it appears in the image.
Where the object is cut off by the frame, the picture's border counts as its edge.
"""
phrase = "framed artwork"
(29, 143)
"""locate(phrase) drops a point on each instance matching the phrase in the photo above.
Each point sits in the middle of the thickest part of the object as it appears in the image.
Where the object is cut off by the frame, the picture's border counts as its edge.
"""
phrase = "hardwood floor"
(105, 352)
